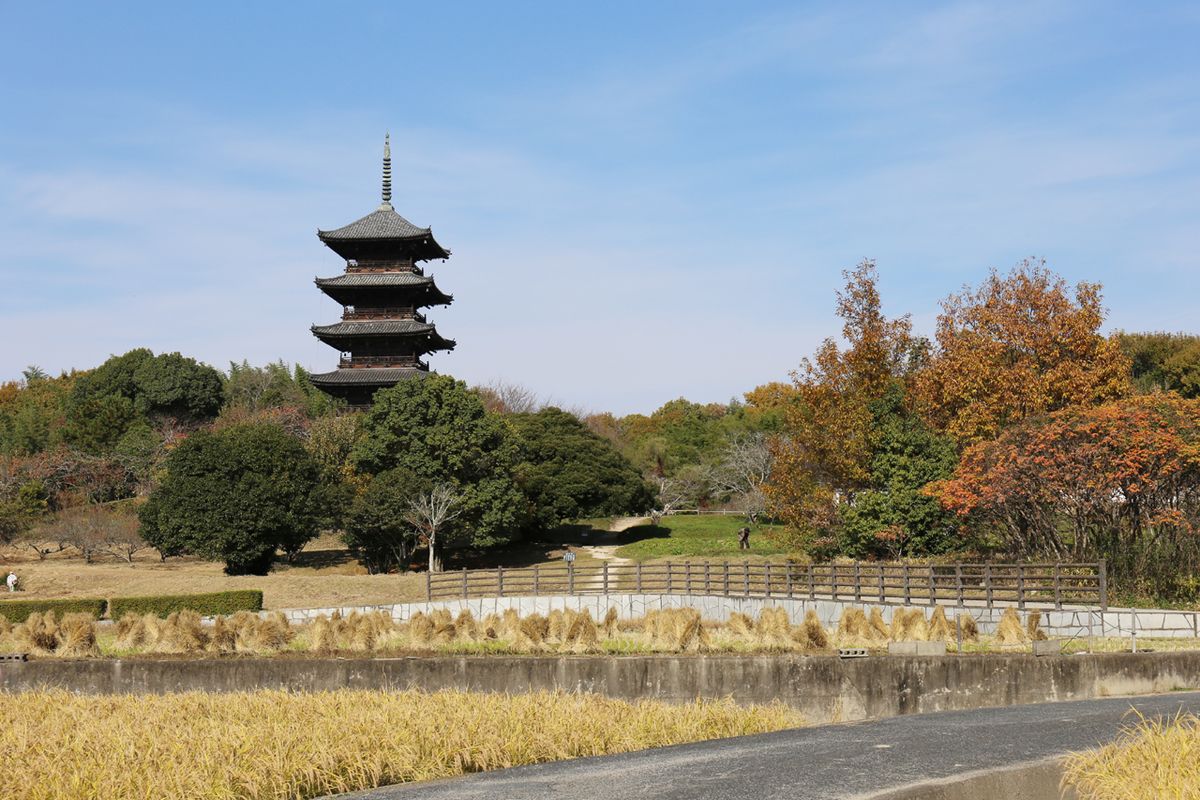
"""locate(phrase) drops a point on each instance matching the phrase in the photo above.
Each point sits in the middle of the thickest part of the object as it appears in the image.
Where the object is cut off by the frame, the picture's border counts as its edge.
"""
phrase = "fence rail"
(874, 582)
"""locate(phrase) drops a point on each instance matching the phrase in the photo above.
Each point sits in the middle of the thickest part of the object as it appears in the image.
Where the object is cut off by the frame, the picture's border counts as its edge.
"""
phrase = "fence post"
(768, 578)
(535, 580)
(726, 583)
(500, 581)
(1057, 586)
(746, 578)
(1020, 586)
(812, 585)
(857, 582)
(833, 580)
(907, 587)
(570, 577)
(707, 583)
(606, 577)
(882, 597)
(670, 572)
(428, 585)
(466, 591)
(1103, 585)
(958, 583)
(987, 583)
(788, 579)
(687, 577)
(638, 577)
(932, 586)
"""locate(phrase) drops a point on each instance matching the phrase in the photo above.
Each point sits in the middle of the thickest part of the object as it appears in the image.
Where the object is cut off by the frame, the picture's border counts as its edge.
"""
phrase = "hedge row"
(161, 605)
(208, 605)
(16, 611)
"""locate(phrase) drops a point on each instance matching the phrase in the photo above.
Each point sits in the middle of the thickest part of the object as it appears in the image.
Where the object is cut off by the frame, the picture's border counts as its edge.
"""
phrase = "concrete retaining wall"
(1068, 622)
(1038, 780)
(823, 688)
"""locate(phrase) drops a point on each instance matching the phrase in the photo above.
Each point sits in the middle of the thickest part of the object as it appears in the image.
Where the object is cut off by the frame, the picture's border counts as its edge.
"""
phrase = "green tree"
(275, 385)
(568, 472)
(377, 532)
(1166, 361)
(139, 385)
(436, 428)
(174, 386)
(237, 495)
(893, 516)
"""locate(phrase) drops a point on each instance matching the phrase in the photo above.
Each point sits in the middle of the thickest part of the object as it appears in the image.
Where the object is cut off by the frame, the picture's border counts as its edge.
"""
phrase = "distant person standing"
(744, 538)
(11, 580)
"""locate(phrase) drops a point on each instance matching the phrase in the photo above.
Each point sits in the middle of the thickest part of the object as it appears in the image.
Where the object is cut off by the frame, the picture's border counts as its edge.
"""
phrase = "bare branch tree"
(683, 490)
(502, 397)
(429, 513)
(745, 466)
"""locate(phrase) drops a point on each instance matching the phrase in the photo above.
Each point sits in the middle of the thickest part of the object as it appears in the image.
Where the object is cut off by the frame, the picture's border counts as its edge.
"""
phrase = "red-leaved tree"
(1119, 481)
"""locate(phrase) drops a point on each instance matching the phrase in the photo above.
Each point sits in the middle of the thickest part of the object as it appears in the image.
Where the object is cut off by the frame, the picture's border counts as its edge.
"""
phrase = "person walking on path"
(11, 580)
(744, 538)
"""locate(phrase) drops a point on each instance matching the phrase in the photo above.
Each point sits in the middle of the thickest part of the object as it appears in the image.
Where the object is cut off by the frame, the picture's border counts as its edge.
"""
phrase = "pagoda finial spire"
(387, 172)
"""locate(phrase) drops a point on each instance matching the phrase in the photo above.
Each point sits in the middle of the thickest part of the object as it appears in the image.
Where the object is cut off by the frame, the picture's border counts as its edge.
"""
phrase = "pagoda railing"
(399, 312)
(354, 362)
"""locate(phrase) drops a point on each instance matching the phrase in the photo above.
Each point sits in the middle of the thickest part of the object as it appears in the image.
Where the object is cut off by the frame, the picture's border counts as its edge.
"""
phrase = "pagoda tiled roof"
(374, 327)
(383, 223)
(373, 279)
(369, 376)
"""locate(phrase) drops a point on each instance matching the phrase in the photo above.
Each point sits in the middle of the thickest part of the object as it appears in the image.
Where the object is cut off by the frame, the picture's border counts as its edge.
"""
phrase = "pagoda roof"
(374, 327)
(366, 376)
(375, 279)
(382, 223)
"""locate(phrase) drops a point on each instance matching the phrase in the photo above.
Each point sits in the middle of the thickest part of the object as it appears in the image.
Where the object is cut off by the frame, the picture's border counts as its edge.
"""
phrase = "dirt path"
(607, 552)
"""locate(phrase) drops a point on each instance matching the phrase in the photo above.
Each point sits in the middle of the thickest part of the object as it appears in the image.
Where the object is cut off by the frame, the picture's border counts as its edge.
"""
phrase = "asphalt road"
(830, 761)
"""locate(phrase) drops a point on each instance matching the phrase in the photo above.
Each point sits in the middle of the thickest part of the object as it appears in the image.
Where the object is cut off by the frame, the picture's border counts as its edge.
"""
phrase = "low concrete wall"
(1067, 622)
(822, 688)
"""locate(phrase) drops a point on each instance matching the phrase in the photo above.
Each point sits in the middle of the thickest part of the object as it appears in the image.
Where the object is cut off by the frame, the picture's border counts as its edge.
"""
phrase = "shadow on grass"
(320, 559)
(640, 533)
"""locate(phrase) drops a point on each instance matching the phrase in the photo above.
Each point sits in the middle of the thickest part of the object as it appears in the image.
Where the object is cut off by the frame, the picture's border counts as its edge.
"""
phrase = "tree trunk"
(435, 560)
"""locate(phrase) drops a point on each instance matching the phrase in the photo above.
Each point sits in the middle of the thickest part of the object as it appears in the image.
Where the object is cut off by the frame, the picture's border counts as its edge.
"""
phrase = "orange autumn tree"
(1021, 345)
(823, 456)
(1119, 481)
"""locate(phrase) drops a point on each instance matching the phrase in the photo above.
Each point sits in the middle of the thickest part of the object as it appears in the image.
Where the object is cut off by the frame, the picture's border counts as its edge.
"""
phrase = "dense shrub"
(209, 605)
(238, 495)
(18, 610)
(568, 472)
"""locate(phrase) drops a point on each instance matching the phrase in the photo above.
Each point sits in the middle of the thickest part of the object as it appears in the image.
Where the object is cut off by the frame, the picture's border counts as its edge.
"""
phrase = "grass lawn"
(700, 537)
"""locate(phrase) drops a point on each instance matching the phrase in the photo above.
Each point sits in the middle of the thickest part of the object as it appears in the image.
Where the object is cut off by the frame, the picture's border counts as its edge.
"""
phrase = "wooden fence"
(865, 582)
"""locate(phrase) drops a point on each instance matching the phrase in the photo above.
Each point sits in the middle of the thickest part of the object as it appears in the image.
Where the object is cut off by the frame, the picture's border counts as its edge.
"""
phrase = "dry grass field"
(274, 745)
(668, 631)
(1153, 760)
(323, 575)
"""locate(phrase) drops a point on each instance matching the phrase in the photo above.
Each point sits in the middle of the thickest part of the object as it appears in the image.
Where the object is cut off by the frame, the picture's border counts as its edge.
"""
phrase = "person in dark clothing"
(743, 538)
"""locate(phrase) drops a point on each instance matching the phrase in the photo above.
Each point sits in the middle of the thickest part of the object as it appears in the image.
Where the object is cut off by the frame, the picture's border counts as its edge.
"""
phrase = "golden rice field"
(265, 745)
(1154, 760)
(670, 631)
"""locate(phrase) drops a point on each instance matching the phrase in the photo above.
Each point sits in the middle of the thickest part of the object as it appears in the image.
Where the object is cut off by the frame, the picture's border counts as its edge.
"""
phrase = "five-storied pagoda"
(383, 334)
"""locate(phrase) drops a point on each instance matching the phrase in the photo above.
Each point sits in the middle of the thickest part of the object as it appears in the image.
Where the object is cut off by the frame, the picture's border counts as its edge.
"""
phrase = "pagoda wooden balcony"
(361, 362)
(382, 265)
(404, 312)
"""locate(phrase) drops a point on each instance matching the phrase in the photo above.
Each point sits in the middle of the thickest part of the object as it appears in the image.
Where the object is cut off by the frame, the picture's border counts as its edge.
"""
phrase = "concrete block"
(1048, 647)
(917, 648)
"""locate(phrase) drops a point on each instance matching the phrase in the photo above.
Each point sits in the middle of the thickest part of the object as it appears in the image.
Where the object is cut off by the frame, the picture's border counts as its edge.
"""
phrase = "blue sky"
(644, 200)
